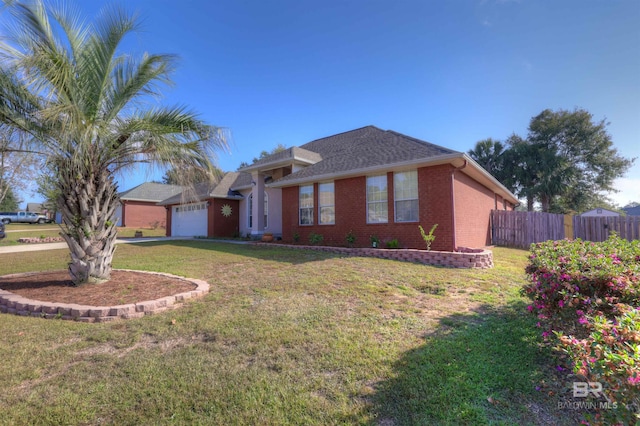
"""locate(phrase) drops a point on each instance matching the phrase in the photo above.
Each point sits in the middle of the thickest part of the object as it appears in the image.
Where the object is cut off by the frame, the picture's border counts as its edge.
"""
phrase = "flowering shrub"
(587, 295)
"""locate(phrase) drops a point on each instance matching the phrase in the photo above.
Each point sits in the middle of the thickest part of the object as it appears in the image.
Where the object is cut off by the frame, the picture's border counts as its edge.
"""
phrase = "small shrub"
(392, 244)
(428, 238)
(316, 238)
(375, 241)
(296, 237)
(351, 238)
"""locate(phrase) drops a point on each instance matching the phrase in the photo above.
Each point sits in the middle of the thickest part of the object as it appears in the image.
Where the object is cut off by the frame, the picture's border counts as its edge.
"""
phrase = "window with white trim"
(405, 195)
(306, 205)
(327, 205)
(377, 199)
(250, 211)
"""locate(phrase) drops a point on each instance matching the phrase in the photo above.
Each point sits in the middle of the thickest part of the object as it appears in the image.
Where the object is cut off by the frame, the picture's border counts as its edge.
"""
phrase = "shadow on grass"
(474, 369)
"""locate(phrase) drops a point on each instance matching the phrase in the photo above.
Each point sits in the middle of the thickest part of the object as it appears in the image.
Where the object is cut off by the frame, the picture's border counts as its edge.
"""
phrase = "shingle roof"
(632, 211)
(150, 191)
(364, 148)
(203, 191)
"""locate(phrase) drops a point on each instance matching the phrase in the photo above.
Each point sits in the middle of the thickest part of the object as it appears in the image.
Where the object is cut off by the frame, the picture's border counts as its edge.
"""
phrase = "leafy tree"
(264, 154)
(566, 162)
(88, 107)
(18, 168)
(10, 202)
(196, 175)
(577, 158)
(489, 153)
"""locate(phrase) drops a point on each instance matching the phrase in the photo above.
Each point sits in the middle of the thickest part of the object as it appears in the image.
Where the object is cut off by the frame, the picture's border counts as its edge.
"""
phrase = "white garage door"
(189, 220)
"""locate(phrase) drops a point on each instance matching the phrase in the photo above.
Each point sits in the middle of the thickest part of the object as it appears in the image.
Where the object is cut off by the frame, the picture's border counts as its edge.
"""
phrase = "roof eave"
(484, 176)
(434, 161)
(277, 164)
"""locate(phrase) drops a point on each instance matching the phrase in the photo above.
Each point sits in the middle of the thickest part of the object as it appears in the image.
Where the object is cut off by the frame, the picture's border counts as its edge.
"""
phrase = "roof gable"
(205, 190)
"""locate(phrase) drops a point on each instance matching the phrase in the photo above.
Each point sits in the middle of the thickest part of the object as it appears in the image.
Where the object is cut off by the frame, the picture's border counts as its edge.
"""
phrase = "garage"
(189, 220)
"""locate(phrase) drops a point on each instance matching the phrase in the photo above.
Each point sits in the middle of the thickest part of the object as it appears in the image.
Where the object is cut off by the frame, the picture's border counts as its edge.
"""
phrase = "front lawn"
(286, 337)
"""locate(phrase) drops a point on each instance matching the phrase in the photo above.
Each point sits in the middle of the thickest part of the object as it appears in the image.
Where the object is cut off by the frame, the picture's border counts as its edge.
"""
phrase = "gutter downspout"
(453, 204)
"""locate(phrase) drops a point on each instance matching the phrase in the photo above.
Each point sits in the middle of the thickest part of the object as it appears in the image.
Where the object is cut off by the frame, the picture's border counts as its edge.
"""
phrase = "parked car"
(22, 217)
(2, 234)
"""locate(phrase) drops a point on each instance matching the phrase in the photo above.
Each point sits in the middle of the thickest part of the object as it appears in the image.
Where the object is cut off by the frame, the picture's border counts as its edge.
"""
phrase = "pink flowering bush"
(587, 299)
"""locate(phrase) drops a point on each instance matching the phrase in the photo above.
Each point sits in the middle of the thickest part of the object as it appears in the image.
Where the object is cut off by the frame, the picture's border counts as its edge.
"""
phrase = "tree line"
(565, 164)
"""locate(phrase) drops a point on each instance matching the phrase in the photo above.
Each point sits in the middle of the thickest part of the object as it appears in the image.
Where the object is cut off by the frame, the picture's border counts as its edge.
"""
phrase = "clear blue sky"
(448, 72)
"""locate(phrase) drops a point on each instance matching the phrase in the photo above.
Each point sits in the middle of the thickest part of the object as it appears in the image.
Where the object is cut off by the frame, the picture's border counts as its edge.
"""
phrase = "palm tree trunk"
(88, 209)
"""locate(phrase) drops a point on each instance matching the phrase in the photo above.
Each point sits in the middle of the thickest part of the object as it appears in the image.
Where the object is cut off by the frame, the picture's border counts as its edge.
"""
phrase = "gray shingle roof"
(364, 148)
(203, 191)
(632, 211)
(150, 191)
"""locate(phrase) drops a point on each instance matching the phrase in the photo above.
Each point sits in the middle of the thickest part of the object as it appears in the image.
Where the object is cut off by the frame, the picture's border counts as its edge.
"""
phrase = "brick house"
(139, 205)
(365, 182)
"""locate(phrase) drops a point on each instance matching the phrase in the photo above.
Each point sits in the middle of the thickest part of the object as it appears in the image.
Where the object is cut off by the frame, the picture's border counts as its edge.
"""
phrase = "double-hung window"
(405, 194)
(326, 199)
(377, 199)
(306, 205)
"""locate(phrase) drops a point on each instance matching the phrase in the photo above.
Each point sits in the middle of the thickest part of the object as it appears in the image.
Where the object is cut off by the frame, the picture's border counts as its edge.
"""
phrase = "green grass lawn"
(22, 230)
(286, 337)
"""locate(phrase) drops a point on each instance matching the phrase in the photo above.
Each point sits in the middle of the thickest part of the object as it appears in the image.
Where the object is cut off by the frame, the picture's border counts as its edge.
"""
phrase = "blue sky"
(448, 72)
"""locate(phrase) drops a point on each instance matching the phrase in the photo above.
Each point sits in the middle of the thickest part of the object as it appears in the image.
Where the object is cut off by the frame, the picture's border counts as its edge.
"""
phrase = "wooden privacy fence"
(599, 228)
(521, 229)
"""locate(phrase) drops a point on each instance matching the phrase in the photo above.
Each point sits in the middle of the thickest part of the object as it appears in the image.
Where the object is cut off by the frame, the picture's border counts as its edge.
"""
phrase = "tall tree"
(89, 109)
(489, 153)
(566, 162)
(10, 202)
(18, 168)
(173, 176)
(577, 157)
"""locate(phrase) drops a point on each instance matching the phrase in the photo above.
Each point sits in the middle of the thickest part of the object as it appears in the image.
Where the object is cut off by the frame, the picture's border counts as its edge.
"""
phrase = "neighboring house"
(139, 206)
(632, 211)
(600, 212)
(35, 208)
(368, 182)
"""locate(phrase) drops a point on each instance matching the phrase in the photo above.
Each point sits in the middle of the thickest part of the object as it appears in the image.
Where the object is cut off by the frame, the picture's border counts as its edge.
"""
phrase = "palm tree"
(489, 154)
(88, 108)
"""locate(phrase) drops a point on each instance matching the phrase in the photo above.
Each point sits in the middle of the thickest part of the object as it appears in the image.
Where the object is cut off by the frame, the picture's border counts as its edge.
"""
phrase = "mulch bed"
(124, 287)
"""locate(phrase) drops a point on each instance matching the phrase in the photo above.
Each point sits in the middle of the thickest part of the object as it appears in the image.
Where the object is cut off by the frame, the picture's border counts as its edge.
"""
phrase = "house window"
(250, 211)
(405, 191)
(306, 205)
(326, 199)
(377, 205)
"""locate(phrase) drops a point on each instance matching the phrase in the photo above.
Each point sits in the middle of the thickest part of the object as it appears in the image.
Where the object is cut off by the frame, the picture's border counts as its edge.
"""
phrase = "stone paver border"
(463, 258)
(11, 303)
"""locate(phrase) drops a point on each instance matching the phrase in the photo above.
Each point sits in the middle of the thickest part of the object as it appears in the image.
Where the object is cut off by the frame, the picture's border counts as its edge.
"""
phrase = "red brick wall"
(140, 214)
(434, 186)
(218, 224)
(473, 205)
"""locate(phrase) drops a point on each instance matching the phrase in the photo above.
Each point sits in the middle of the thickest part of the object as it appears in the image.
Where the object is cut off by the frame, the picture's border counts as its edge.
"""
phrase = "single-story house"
(365, 182)
(600, 212)
(632, 211)
(139, 205)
